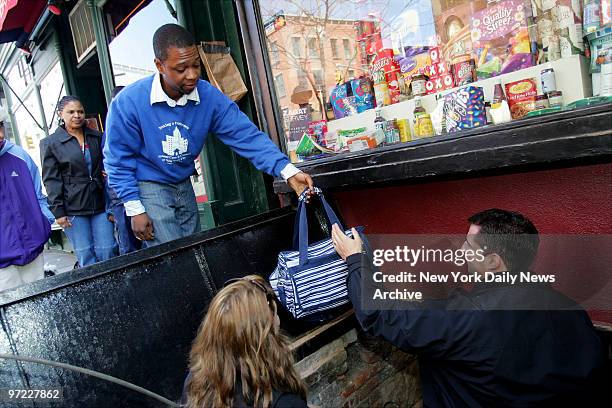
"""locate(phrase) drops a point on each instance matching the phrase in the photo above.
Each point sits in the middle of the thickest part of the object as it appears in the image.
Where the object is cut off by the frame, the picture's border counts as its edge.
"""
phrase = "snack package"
(385, 61)
(318, 129)
(500, 38)
(464, 109)
(363, 93)
(521, 97)
(336, 98)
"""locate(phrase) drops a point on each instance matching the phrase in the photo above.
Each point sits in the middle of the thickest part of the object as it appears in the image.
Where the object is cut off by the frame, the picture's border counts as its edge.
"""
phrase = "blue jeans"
(92, 238)
(123, 227)
(172, 208)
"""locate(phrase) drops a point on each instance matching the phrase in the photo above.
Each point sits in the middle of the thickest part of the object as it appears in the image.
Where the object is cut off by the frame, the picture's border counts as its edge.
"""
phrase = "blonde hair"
(237, 340)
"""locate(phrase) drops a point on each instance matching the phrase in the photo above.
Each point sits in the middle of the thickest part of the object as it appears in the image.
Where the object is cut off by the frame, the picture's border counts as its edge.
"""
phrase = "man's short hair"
(509, 234)
(170, 35)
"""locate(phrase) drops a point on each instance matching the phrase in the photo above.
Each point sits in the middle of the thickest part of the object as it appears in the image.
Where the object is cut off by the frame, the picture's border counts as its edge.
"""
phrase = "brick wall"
(356, 370)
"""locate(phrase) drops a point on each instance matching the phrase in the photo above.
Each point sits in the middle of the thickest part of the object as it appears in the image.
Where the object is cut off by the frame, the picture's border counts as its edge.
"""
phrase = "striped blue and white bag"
(311, 279)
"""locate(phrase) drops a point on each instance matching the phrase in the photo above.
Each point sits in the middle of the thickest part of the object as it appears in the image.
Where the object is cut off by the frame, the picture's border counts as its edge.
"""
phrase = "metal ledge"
(570, 138)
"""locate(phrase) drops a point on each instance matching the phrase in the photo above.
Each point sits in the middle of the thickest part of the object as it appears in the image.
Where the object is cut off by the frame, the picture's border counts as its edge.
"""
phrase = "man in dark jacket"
(25, 219)
(497, 345)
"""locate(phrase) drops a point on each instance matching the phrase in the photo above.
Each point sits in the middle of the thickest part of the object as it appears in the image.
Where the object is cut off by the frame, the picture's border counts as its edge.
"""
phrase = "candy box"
(465, 109)
(440, 83)
(521, 97)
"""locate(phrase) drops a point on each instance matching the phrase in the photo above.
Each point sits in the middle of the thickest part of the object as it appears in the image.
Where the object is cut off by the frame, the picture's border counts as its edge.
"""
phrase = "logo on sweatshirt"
(175, 147)
(14, 174)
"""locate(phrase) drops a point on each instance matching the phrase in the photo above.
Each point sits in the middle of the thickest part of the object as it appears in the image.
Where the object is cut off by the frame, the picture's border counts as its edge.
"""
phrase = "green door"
(234, 187)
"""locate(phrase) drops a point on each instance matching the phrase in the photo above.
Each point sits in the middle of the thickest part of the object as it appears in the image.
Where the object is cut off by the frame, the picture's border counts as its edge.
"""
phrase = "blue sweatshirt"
(25, 218)
(155, 142)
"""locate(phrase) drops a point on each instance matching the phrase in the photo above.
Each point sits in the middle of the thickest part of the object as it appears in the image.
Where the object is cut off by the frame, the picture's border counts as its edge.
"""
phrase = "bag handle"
(303, 224)
(302, 199)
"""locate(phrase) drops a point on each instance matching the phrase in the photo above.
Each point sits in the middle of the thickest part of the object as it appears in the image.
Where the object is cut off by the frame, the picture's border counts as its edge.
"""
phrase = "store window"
(131, 49)
(30, 125)
(20, 76)
(429, 67)
(51, 91)
(132, 56)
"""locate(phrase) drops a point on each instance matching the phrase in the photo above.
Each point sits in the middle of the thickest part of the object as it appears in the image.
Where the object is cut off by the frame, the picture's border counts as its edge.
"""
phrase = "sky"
(133, 46)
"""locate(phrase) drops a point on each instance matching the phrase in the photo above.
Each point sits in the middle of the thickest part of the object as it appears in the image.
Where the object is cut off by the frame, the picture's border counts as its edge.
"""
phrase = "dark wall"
(573, 200)
(132, 317)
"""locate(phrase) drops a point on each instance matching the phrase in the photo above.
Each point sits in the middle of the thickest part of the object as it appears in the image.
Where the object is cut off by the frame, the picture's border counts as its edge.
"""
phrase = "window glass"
(133, 58)
(29, 125)
(132, 50)
(362, 73)
(51, 90)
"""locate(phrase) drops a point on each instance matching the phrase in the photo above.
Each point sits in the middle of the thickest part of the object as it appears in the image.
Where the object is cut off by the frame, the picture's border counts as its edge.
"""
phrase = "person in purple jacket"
(25, 217)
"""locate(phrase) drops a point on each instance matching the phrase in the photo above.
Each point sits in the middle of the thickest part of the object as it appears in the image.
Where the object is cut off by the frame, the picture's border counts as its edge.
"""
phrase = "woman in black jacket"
(239, 358)
(73, 177)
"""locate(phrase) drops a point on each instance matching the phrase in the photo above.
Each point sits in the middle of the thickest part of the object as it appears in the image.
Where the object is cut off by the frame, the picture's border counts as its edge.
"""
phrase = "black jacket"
(70, 189)
(476, 350)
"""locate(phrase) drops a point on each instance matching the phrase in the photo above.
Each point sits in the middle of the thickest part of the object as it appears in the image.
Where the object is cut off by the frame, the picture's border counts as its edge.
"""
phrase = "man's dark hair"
(170, 35)
(116, 91)
(509, 234)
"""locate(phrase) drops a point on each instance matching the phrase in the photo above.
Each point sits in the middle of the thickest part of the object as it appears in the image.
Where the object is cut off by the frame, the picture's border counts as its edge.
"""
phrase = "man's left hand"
(300, 182)
(346, 246)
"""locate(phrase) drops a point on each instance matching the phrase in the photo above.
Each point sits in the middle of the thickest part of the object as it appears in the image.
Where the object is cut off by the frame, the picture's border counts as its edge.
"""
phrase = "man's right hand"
(63, 222)
(142, 227)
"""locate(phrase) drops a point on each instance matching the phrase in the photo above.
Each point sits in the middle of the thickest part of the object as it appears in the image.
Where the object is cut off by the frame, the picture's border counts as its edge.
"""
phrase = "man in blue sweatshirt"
(157, 126)
(25, 218)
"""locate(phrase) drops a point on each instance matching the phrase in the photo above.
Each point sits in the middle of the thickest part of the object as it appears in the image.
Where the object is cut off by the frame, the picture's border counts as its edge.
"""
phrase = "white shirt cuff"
(289, 171)
(133, 208)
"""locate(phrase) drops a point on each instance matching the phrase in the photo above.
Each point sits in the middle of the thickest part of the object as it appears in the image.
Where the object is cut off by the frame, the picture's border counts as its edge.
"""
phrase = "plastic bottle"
(498, 93)
(379, 126)
(423, 126)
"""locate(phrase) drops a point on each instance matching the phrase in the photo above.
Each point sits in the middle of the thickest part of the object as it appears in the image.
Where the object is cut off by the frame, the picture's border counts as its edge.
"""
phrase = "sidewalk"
(58, 261)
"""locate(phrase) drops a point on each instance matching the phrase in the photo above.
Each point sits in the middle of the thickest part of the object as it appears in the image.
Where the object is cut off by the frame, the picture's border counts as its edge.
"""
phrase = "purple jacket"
(24, 213)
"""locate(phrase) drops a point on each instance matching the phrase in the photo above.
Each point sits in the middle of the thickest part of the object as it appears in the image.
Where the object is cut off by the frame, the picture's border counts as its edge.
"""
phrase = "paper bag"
(221, 69)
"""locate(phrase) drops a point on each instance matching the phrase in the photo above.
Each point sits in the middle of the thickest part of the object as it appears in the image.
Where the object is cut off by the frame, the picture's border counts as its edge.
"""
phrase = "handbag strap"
(303, 225)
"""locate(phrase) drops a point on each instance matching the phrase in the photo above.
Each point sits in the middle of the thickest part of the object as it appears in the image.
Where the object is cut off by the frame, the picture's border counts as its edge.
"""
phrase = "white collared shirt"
(158, 95)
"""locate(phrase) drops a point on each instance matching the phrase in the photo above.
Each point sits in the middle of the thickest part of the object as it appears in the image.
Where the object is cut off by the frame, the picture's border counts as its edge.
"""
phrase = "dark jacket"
(70, 188)
(476, 350)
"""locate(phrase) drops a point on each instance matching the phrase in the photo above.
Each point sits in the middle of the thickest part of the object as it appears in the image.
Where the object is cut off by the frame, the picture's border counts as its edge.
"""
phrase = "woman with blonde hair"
(239, 358)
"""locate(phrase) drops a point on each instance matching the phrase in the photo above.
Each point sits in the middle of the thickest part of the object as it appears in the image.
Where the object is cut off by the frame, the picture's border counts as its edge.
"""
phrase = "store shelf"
(567, 138)
(572, 78)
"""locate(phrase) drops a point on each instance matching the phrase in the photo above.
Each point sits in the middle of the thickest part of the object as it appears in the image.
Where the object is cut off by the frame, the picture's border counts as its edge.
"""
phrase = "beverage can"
(423, 126)
(404, 130)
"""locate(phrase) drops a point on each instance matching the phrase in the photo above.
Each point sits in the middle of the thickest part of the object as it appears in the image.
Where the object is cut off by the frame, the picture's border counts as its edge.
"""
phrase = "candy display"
(415, 52)
(501, 38)
(521, 97)
(465, 109)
